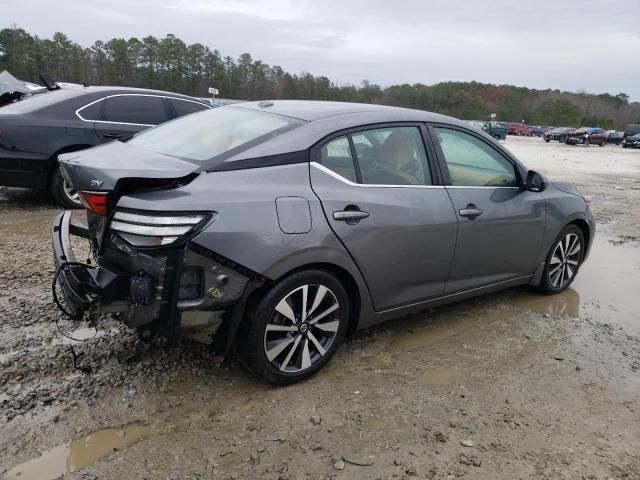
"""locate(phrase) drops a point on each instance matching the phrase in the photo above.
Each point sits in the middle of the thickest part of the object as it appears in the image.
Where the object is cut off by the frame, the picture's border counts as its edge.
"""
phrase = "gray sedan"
(285, 226)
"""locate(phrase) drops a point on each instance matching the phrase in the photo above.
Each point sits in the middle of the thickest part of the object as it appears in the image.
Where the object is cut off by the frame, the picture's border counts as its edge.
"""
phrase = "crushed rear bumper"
(82, 286)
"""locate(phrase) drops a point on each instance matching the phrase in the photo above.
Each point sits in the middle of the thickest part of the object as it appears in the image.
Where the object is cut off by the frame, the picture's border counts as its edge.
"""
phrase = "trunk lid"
(107, 166)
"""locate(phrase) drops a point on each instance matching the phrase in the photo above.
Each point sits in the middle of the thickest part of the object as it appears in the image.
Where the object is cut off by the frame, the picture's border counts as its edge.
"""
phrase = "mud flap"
(537, 276)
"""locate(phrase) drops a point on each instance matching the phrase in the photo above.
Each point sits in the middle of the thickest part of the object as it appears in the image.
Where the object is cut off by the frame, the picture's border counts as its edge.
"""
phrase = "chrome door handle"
(350, 215)
(471, 211)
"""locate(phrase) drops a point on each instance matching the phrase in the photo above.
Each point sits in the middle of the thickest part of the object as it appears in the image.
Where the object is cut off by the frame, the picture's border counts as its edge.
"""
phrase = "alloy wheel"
(302, 329)
(565, 260)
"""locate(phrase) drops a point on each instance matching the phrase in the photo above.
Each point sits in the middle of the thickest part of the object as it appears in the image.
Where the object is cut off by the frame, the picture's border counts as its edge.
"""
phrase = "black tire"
(59, 190)
(587, 142)
(549, 283)
(254, 339)
(547, 140)
(603, 143)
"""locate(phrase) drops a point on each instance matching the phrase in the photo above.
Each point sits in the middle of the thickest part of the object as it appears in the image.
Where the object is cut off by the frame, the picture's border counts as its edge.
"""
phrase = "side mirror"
(536, 182)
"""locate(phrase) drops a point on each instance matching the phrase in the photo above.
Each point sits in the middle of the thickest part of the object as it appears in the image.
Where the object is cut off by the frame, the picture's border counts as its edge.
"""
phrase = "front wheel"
(295, 328)
(62, 191)
(563, 260)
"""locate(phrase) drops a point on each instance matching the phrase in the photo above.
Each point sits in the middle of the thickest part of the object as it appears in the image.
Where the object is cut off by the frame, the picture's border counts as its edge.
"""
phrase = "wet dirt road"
(512, 385)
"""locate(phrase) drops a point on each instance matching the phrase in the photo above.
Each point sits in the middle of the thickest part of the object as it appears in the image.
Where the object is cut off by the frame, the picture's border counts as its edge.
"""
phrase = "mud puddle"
(79, 453)
(605, 290)
(440, 377)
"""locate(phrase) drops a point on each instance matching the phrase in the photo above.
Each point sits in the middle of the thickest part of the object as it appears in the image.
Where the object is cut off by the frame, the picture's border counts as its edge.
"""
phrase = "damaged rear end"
(145, 272)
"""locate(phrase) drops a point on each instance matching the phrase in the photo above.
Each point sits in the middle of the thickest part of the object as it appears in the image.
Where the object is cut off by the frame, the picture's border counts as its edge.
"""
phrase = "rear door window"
(137, 109)
(336, 156)
(392, 156)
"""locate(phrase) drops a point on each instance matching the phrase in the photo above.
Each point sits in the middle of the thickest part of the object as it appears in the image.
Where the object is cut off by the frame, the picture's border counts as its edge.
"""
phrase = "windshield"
(211, 133)
(582, 130)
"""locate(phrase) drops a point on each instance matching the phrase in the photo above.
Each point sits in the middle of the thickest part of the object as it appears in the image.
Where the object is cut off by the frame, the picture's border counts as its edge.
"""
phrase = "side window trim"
(90, 104)
(442, 163)
(437, 179)
(354, 159)
(103, 99)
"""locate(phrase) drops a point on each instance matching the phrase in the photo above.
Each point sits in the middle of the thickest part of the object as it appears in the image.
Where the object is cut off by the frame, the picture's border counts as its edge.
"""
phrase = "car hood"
(100, 168)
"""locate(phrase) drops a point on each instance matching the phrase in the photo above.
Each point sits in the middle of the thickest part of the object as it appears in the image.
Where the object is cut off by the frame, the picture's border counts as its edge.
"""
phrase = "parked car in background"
(288, 225)
(631, 129)
(497, 130)
(615, 138)
(519, 129)
(537, 131)
(557, 134)
(35, 130)
(632, 142)
(587, 136)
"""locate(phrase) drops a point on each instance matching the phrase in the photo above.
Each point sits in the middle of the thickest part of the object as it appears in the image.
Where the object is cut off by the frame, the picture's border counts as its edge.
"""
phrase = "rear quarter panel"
(247, 229)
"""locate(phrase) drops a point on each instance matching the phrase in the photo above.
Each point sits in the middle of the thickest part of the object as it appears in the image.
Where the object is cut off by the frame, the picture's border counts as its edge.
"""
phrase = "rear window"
(39, 101)
(205, 135)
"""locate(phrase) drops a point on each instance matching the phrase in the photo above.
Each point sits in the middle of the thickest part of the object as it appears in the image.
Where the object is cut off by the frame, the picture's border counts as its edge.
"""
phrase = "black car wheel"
(563, 260)
(547, 140)
(603, 143)
(62, 191)
(295, 328)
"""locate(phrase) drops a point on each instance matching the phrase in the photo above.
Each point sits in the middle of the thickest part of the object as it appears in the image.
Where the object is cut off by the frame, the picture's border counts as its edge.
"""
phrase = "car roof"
(321, 119)
(312, 110)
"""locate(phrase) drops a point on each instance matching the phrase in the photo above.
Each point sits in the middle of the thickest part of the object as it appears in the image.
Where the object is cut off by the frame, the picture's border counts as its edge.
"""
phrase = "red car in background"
(519, 129)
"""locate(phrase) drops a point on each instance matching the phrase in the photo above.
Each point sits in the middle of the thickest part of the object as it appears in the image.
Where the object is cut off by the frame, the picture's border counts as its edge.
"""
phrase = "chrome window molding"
(366, 185)
(129, 95)
(328, 171)
(482, 186)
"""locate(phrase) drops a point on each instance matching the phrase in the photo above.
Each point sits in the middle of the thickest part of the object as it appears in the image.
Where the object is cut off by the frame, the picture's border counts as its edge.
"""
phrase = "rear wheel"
(603, 143)
(62, 191)
(295, 328)
(563, 260)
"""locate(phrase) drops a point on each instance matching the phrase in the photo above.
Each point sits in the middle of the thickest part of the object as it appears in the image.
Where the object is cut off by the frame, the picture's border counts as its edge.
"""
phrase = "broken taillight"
(94, 201)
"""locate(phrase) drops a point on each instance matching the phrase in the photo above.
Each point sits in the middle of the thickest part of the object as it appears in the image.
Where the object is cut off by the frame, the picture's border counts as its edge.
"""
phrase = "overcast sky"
(565, 44)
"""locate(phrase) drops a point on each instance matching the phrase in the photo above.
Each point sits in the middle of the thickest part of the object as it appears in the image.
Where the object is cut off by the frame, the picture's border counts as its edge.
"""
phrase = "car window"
(395, 156)
(144, 110)
(471, 162)
(213, 133)
(185, 107)
(92, 111)
(336, 156)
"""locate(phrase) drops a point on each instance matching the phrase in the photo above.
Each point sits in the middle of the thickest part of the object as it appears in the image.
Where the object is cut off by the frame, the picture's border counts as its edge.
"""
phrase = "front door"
(500, 225)
(377, 190)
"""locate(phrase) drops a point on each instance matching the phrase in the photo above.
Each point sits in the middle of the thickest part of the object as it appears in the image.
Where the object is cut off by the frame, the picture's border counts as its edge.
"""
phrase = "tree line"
(170, 64)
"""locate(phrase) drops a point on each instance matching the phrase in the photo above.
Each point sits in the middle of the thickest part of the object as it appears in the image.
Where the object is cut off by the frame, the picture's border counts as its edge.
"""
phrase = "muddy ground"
(507, 386)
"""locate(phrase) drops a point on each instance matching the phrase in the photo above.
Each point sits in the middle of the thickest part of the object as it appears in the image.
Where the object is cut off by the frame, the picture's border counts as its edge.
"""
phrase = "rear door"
(123, 115)
(382, 196)
(501, 225)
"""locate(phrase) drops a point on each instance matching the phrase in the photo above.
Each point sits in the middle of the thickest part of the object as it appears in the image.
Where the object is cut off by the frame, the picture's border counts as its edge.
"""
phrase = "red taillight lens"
(96, 202)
